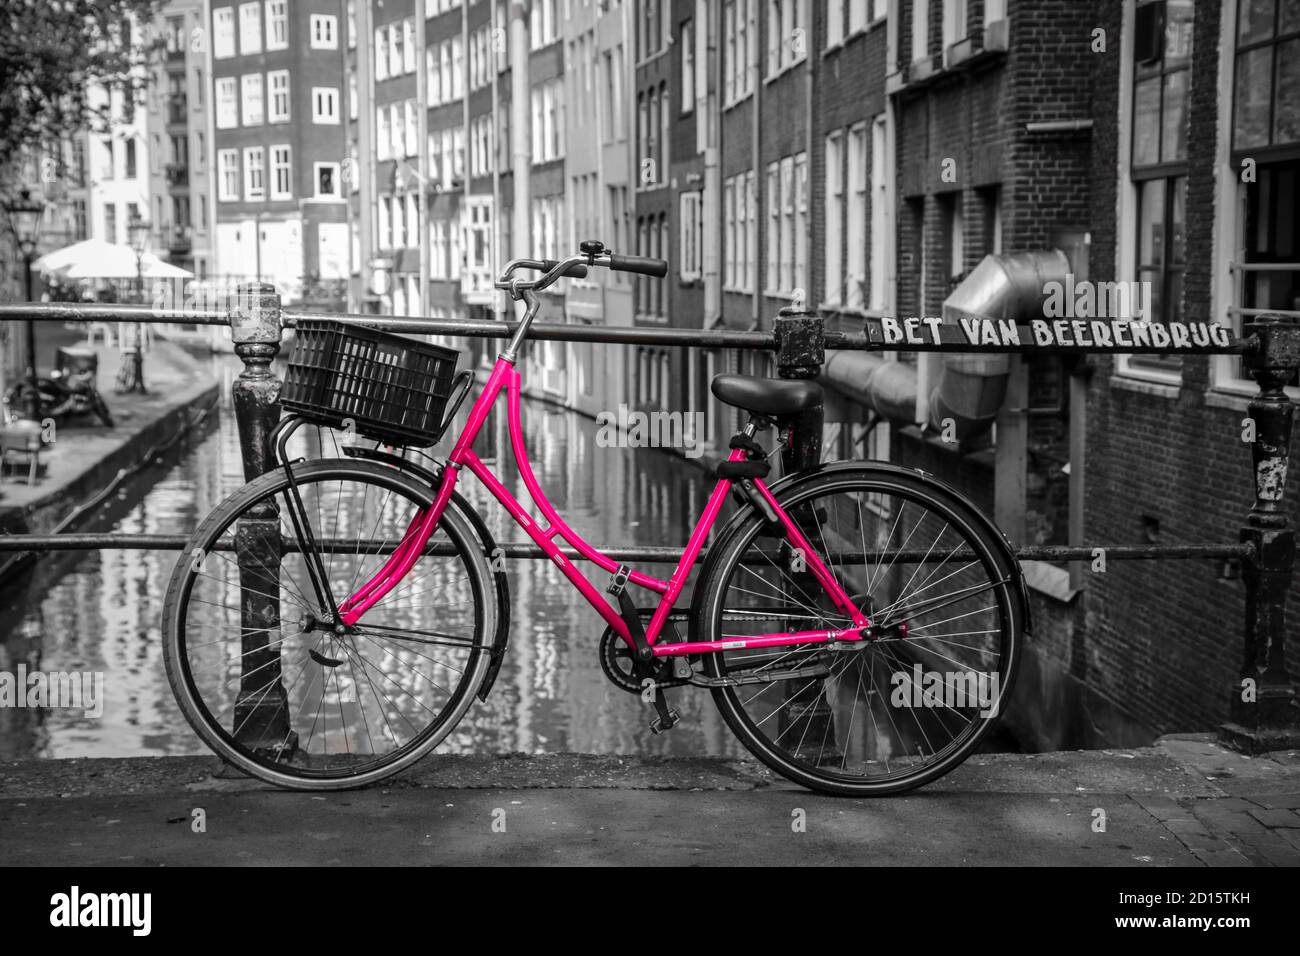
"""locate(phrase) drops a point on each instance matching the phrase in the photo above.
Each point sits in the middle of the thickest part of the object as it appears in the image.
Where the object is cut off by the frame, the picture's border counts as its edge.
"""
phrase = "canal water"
(100, 611)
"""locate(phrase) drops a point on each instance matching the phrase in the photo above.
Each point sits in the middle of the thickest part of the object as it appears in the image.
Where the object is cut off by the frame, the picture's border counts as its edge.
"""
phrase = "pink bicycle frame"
(506, 376)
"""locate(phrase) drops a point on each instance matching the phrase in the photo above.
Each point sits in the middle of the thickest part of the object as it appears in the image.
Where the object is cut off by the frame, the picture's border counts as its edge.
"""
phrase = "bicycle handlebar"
(639, 264)
(576, 270)
(593, 254)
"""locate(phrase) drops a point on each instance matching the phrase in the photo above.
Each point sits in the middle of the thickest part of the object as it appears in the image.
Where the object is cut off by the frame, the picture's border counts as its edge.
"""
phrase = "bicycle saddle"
(767, 396)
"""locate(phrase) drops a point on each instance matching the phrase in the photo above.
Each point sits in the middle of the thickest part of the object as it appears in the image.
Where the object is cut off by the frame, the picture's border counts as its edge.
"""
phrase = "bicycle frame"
(506, 377)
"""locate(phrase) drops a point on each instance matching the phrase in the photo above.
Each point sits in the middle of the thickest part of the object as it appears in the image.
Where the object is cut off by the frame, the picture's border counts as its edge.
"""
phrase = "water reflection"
(101, 611)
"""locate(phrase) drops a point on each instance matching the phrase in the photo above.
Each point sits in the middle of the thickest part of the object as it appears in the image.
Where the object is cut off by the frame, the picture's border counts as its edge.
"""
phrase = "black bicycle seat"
(767, 396)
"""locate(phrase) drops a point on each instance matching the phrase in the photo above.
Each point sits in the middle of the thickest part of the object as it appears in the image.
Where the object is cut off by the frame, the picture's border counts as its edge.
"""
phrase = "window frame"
(316, 114)
(274, 192)
(281, 18)
(328, 39)
(250, 193)
(228, 163)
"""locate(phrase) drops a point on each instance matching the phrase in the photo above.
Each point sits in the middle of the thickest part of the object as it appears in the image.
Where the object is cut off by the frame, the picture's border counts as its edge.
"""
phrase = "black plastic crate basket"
(393, 389)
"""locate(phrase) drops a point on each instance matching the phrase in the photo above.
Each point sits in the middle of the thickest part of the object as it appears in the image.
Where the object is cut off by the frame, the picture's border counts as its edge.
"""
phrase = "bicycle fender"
(791, 481)
(502, 636)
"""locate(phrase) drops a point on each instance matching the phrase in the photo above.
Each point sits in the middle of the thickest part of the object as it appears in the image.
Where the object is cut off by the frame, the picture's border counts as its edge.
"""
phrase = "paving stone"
(1280, 801)
(1226, 857)
(1277, 818)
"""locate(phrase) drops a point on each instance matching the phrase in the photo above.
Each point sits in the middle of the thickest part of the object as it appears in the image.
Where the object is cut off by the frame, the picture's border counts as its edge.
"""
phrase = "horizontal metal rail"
(525, 549)
(869, 340)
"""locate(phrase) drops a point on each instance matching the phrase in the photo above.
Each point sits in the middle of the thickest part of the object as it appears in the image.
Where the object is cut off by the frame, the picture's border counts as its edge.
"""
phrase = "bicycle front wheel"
(266, 675)
(876, 717)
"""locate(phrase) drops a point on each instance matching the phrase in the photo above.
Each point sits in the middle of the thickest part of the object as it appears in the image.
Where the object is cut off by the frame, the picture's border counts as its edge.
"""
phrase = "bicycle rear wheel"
(267, 677)
(877, 717)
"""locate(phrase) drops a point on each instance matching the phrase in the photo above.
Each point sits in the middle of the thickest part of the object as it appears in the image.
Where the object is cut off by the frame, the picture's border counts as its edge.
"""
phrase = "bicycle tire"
(467, 549)
(712, 598)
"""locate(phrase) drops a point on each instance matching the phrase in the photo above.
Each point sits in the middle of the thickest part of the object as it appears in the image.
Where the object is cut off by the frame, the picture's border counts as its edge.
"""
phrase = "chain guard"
(617, 662)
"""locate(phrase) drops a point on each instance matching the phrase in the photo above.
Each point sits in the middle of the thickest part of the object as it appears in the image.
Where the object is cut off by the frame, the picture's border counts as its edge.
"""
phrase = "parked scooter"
(69, 391)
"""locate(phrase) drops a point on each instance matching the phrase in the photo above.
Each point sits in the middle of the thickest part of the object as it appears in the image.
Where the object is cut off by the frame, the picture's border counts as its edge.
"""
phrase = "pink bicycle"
(331, 622)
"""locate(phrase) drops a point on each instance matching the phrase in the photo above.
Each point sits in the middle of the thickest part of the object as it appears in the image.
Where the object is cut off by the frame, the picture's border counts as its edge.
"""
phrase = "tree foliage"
(53, 53)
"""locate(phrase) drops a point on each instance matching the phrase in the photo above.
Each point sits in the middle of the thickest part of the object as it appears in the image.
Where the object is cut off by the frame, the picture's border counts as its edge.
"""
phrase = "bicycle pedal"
(665, 722)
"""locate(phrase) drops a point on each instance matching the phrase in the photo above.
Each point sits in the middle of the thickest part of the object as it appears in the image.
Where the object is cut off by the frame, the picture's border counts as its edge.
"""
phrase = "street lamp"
(131, 376)
(25, 223)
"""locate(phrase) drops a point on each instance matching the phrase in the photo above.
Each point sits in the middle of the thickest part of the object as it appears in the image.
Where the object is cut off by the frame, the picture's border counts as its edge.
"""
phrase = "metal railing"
(1267, 719)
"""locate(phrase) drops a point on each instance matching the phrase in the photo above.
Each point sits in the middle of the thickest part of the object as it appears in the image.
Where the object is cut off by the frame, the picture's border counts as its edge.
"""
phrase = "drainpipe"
(972, 385)
(520, 134)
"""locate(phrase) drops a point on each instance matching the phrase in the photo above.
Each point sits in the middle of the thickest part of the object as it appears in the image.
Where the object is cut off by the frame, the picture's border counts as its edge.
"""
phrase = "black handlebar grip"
(639, 264)
(575, 271)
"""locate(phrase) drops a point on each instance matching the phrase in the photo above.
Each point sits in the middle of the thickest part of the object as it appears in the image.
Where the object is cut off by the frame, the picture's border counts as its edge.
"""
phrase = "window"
(920, 29)
(279, 99)
(398, 131)
(408, 46)
(223, 33)
(277, 25)
(994, 10)
(227, 105)
(281, 173)
(381, 54)
(477, 275)
(326, 177)
(773, 278)
(614, 122)
(412, 128)
(352, 23)
(750, 212)
(413, 220)
(548, 122)
(250, 28)
(1161, 88)
(324, 31)
(787, 225)
(480, 146)
(384, 222)
(799, 285)
(110, 221)
(543, 25)
(855, 245)
(880, 217)
(690, 254)
(324, 104)
(250, 88)
(834, 216)
(862, 12)
(395, 57)
(130, 158)
(1267, 109)
(740, 220)
(834, 22)
(739, 31)
(688, 66)
(383, 134)
(228, 175)
(457, 68)
(254, 184)
(954, 22)
(438, 248)
(787, 34)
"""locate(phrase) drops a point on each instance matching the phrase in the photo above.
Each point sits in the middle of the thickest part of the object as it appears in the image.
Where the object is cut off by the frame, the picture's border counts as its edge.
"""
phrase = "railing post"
(1265, 710)
(800, 353)
(261, 711)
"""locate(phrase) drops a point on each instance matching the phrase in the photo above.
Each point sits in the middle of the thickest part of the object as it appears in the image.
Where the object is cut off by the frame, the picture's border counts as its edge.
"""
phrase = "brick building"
(279, 142)
(178, 135)
(863, 157)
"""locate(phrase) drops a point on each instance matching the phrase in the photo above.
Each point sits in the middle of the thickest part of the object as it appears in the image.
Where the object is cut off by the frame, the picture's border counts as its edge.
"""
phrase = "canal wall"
(85, 458)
